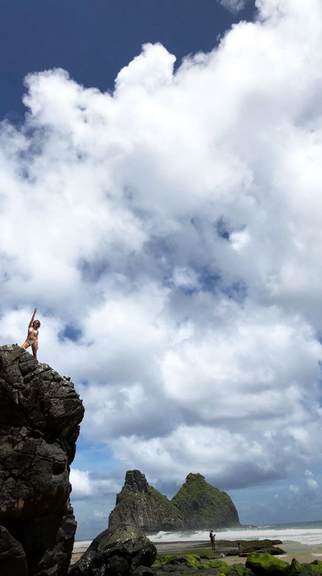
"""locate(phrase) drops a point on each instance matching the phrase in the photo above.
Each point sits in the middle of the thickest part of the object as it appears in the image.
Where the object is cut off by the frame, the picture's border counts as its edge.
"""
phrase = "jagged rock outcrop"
(40, 414)
(142, 505)
(203, 506)
(197, 505)
(120, 551)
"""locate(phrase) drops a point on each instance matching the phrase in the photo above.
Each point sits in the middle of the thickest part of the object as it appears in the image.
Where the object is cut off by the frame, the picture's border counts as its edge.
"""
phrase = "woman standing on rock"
(32, 336)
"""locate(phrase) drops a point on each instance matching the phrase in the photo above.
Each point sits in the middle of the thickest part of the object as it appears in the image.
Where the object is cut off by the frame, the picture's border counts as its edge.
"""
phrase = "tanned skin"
(32, 335)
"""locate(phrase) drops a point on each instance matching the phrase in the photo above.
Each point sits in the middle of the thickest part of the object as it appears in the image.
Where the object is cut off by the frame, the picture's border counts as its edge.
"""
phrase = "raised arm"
(32, 318)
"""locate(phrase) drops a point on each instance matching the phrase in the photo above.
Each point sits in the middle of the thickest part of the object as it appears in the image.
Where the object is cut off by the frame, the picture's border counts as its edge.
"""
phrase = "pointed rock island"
(197, 505)
(204, 506)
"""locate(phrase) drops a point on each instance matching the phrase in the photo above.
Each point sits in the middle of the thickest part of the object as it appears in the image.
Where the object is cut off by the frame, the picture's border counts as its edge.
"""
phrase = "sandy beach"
(302, 552)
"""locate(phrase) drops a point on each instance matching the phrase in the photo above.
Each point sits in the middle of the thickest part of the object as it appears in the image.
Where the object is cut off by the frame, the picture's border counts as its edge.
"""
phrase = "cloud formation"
(233, 5)
(86, 486)
(170, 233)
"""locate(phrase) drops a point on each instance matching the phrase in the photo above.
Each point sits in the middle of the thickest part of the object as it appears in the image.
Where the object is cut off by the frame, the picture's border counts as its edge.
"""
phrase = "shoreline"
(304, 553)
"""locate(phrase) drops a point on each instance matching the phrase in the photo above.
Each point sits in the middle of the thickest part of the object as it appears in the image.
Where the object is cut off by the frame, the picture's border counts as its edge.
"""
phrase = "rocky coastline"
(180, 558)
(40, 414)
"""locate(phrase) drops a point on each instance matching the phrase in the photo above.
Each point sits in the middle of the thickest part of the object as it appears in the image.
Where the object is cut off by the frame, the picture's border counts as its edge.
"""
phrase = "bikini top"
(34, 331)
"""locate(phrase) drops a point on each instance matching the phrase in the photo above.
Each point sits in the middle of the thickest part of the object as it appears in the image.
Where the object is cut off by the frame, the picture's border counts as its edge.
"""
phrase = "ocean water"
(309, 533)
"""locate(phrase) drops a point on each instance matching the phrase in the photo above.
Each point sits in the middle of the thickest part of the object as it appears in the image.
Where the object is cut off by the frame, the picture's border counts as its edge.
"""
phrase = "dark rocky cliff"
(197, 505)
(142, 505)
(40, 414)
(203, 506)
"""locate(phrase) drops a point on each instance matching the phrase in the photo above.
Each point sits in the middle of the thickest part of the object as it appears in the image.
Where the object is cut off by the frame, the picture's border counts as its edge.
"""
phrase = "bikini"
(35, 333)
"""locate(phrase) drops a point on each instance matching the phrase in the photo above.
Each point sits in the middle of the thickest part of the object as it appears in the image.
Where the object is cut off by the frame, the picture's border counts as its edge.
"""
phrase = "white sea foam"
(82, 544)
(309, 533)
(305, 535)
(316, 554)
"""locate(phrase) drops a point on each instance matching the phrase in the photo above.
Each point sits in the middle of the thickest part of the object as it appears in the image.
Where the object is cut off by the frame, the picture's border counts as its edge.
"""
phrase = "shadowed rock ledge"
(120, 551)
(40, 414)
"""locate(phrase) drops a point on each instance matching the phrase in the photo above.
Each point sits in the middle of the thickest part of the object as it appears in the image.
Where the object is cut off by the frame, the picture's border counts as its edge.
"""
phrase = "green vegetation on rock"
(144, 506)
(265, 564)
(298, 569)
(240, 570)
(257, 564)
(193, 561)
(203, 506)
(196, 505)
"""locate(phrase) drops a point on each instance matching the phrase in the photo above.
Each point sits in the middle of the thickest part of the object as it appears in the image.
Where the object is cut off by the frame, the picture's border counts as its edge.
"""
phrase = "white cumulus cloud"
(81, 484)
(86, 486)
(170, 234)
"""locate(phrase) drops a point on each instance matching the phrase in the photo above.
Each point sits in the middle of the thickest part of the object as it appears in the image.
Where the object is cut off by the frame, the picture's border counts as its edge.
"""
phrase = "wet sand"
(78, 551)
(302, 552)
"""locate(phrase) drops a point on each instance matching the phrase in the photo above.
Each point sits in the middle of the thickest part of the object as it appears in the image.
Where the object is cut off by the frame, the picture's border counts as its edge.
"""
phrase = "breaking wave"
(305, 533)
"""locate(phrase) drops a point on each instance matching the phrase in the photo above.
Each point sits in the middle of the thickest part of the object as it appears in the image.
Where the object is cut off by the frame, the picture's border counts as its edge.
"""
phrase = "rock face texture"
(40, 414)
(203, 506)
(196, 505)
(121, 551)
(142, 505)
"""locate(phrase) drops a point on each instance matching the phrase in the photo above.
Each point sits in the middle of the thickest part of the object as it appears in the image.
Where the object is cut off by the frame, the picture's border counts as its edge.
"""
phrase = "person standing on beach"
(212, 537)
(32, 335)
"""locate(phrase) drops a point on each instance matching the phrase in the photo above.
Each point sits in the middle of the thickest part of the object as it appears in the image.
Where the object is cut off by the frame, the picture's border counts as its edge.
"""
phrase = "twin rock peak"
(196, 506)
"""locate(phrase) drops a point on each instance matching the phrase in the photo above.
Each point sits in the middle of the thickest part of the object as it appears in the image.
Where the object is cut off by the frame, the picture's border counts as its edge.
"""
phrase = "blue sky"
(160, 203)
(94, 40)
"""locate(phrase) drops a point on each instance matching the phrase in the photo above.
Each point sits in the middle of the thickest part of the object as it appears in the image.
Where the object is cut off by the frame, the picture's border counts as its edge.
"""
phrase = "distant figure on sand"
(32, 336)
(212, 537)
